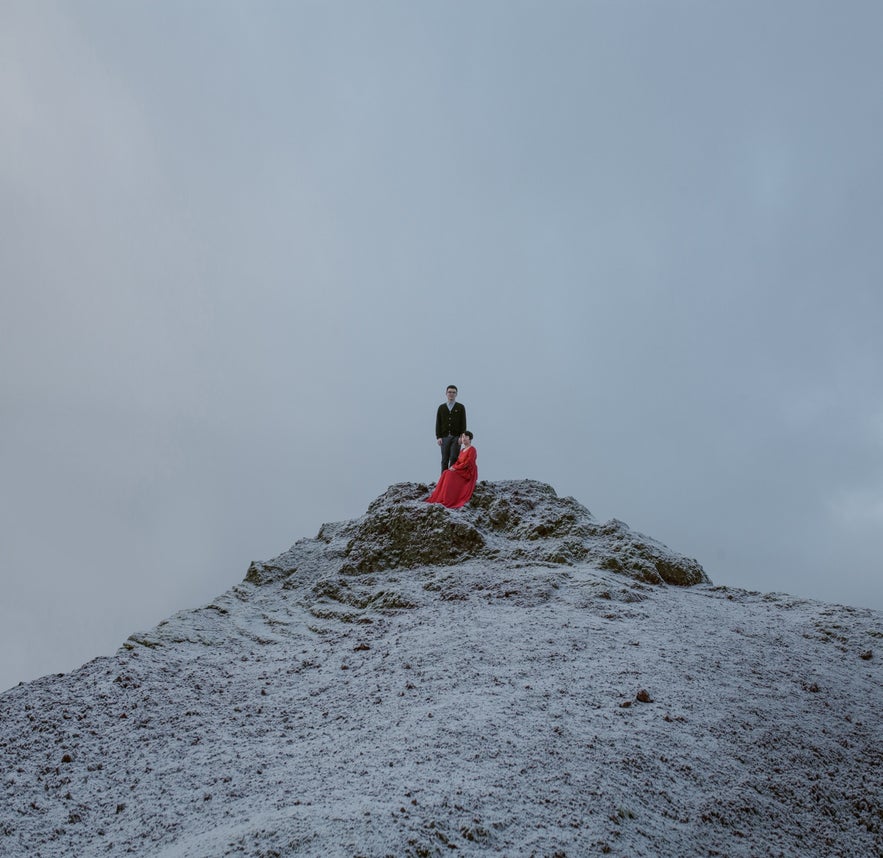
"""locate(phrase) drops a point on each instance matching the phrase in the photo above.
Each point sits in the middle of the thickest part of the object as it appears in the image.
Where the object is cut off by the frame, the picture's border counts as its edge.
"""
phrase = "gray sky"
(245, 246)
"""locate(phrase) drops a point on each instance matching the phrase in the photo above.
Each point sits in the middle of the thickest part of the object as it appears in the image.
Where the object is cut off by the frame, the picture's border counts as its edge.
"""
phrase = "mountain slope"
(510, 678)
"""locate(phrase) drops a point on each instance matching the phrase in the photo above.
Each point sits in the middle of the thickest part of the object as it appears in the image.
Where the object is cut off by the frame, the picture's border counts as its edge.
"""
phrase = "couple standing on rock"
(459, 471)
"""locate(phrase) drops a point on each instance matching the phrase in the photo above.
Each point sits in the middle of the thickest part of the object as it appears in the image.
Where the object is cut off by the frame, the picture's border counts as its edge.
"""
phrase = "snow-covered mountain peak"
(403, 553)
(510, 678)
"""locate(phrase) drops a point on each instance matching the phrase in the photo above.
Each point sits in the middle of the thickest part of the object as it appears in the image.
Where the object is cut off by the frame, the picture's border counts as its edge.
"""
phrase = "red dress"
(455, 485)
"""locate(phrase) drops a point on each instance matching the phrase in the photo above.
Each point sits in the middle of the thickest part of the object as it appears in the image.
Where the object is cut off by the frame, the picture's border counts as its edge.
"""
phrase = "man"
(450, 424)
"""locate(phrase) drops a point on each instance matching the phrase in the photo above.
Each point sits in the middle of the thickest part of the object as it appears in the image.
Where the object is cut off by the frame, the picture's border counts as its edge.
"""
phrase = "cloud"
(244, 252)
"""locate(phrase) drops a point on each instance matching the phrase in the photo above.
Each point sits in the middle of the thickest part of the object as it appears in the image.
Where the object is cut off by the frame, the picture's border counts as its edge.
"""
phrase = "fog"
(245, 247)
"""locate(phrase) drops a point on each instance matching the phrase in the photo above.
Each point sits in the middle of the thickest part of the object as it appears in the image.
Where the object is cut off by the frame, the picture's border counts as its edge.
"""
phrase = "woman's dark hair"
(469, 435)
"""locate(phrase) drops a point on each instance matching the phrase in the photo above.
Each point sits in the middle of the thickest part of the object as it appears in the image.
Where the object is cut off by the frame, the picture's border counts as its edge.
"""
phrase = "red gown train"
(456, 484)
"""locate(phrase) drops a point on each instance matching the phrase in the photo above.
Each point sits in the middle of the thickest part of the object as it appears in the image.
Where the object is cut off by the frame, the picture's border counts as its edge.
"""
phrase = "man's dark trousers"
(450, 449)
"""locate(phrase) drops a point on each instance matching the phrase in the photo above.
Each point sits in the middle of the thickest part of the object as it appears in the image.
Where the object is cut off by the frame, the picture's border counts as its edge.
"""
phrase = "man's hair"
(469, 435)
(451, 387)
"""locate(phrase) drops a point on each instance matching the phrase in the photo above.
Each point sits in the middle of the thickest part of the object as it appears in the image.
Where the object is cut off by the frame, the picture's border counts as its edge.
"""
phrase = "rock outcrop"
(402, 549)
(514, 522)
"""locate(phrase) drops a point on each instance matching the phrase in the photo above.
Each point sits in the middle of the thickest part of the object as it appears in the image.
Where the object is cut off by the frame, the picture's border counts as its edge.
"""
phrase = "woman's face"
(465, 440)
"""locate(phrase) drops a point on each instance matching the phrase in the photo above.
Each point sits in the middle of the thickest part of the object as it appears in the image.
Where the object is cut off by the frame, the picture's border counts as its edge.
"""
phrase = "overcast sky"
(245, 246)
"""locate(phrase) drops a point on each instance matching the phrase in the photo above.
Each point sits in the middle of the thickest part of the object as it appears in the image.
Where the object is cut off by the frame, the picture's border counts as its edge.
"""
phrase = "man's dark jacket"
(450, 421)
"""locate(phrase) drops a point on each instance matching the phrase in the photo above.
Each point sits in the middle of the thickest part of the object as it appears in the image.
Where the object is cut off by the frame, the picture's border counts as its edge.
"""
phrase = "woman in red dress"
(455, 485)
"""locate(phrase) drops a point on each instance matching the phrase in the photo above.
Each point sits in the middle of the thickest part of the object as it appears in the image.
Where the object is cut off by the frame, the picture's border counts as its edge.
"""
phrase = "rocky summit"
(510, 678)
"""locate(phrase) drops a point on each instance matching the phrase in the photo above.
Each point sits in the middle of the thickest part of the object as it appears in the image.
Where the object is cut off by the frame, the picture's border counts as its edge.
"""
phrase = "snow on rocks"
(509, 678)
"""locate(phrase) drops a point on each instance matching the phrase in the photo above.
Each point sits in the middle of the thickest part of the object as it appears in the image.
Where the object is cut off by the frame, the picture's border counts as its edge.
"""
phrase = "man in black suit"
(450, 424)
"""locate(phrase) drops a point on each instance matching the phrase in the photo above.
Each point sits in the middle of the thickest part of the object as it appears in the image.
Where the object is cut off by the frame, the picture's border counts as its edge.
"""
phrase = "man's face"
(451, 394)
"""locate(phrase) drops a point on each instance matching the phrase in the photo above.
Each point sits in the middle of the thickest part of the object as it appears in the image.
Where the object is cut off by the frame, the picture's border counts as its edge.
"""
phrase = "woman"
(455, 485)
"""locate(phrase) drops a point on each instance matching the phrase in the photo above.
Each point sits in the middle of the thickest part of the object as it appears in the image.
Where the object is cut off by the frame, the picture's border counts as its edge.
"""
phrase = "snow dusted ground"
(512, 678)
